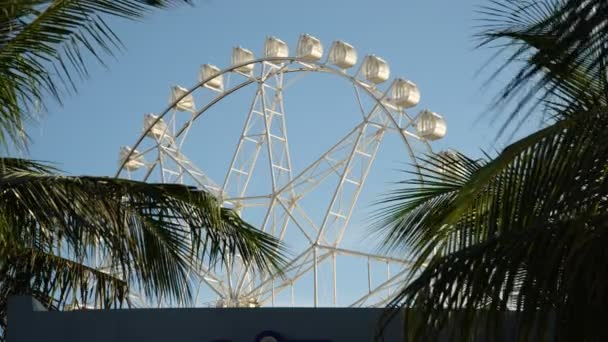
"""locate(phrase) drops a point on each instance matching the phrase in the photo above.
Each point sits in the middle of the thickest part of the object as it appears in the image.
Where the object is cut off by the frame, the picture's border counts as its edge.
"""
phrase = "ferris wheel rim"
(321, 67)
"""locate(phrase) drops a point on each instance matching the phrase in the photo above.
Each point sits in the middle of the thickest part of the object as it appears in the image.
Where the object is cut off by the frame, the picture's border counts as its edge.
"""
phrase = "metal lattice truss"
(316, 234)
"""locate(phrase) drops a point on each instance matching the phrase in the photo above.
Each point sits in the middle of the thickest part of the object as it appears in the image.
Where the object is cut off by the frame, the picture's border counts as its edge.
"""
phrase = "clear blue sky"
(429, 42)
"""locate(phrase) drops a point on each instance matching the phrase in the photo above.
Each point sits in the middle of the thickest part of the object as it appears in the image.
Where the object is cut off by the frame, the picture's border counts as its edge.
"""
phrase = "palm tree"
(527, 230)
(54, 229)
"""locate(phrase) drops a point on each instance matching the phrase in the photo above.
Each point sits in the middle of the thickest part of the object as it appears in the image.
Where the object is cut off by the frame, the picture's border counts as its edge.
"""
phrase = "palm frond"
(421, 199)
(559, 46)
(525, 231)
(55, 281)
(507, 235)
(41, 35)
(522, 271)
(151, 234)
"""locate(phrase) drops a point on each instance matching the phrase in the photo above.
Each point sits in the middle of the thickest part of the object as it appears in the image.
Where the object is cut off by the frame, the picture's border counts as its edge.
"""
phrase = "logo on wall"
(273, 336)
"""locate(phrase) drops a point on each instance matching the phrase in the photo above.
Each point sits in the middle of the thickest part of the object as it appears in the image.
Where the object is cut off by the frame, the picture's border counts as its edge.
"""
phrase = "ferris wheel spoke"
(310, 223)
(149, 170)
(295, 267)
(302, 269)
(357, 148)
(349, 186)
(359, 101)
(402, 115)
(371, 256)
(375, 296)
(250, 143)
(161, 165)
(276, 222)
(352, 182)
(212, 280)
(279, 219)
(300, 266)
(316, 177)
(282, 224)
(294, 80)
(292, 265)
(265, 125)
(264, 198)
(376, 287)
(275, 129)
(184, 136)
(383, 291)
(335, 158)
(289, 209)
(183, 165)
(241, 275)
(240, 203)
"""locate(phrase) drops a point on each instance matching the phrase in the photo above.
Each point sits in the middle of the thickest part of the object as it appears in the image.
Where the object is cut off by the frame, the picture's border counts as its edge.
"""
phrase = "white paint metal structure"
(315, 235)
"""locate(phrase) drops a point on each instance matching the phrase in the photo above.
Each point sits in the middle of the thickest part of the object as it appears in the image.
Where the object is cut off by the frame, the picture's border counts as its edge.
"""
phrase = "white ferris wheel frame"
(319, 250)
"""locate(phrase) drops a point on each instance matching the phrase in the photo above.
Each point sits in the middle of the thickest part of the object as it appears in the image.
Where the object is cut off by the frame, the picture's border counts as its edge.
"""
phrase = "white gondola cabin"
(241, 55)
(155, 129)
(186, 104)
(342, 55)
(274, 47)
(405, 93)
(207, 71)
(430, 125)
(134, 162)
(376, 69)
(309, 48)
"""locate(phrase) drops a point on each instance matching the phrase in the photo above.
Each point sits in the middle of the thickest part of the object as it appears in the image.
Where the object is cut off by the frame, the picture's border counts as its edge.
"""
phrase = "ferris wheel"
(262, 183)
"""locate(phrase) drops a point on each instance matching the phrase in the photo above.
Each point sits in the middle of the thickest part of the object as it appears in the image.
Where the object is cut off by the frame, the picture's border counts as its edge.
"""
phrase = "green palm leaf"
(525, 230)
(55, 281)
(524, 235)
(152, 235)
(559, 47)
(41, 35)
